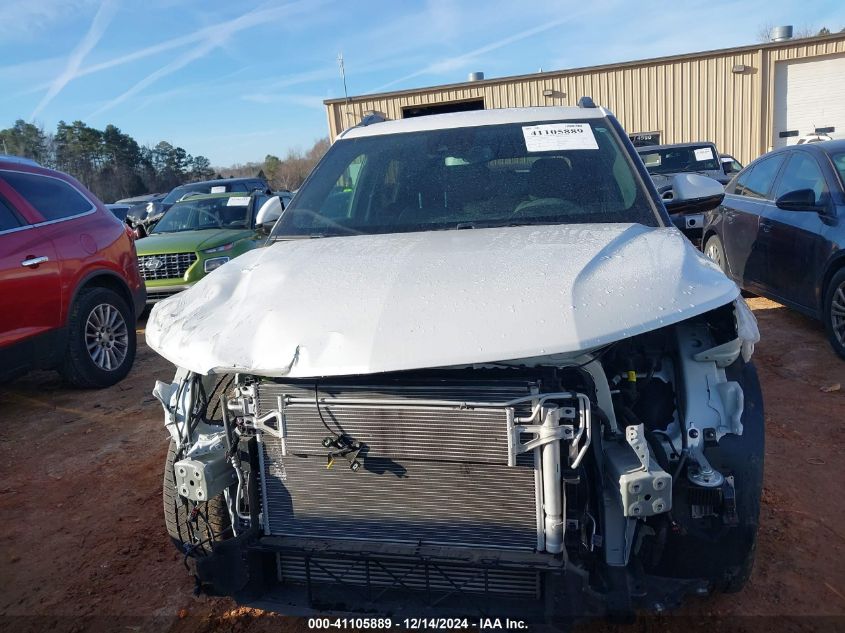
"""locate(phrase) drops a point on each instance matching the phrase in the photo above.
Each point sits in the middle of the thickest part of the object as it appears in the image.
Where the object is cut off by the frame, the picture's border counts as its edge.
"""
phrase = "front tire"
(715, 251)
(724, 555)
(834, 313)
(101, 340)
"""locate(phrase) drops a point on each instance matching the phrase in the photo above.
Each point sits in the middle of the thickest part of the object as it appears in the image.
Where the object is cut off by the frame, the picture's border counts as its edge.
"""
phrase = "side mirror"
(267, 215)
(799, 200)
(693, 193)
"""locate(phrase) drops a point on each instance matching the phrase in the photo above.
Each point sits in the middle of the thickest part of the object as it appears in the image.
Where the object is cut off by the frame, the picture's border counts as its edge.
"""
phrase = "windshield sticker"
(703, 153)
(238, 201)
(554, 136)
(220, 189)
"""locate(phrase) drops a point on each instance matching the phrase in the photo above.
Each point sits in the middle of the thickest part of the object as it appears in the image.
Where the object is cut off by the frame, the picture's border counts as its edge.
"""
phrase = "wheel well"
(835, 266)
(111, 282)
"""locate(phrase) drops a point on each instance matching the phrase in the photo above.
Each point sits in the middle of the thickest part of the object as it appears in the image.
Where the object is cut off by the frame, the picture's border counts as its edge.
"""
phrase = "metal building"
(747, 100)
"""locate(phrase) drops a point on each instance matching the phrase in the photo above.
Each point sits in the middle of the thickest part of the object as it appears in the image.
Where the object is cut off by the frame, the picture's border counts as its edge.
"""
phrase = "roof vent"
(476, 76)
(782, 33)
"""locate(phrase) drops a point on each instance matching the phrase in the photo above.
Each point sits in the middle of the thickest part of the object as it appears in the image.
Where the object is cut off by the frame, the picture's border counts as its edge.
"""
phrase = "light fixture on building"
(548, 93)
(740, 68)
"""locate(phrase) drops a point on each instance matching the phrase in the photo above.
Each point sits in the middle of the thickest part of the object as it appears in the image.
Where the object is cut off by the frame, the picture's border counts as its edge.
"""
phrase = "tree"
(25, 139)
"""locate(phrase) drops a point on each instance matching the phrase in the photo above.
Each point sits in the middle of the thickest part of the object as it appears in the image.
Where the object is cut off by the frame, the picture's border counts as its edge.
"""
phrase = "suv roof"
(222, 194)
(475, 118)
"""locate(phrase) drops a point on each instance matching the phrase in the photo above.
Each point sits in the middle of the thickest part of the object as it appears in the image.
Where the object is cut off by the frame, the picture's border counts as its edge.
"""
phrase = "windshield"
(472, 177)
(673, 160)
(228, 212)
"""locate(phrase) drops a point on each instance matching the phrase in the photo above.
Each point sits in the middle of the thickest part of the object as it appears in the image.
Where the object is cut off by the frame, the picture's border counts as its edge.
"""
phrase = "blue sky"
(235, 80)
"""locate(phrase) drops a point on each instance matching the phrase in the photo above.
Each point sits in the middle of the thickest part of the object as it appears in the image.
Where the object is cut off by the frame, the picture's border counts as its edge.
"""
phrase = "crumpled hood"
(366, 304)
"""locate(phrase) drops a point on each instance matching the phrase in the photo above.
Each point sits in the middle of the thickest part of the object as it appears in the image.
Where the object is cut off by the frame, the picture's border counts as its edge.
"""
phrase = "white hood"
(366, 304)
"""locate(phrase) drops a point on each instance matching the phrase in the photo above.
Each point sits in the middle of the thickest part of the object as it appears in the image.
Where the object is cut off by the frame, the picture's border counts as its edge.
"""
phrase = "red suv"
(70, 289)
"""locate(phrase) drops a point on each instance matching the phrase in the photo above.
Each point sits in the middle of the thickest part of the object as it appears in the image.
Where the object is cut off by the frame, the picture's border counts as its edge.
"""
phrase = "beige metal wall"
(685, 98)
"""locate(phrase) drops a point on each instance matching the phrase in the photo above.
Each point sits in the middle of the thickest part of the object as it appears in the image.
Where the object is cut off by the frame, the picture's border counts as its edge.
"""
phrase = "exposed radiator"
(431, 475)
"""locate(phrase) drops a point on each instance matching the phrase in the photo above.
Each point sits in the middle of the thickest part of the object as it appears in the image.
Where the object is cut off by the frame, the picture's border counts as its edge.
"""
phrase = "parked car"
(69, 283)
(818, 137)
(665, 162)
(486, 372)
(119, 210)
(201, 233)
(155, 208)
(730, 165)
(780, 231)
(139, 206)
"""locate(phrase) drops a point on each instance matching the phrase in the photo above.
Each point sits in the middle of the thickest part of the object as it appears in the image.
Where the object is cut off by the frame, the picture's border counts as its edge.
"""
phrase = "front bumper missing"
(398, 581)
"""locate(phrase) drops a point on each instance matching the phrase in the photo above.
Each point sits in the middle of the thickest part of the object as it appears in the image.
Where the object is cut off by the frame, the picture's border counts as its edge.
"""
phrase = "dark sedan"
(780, 231)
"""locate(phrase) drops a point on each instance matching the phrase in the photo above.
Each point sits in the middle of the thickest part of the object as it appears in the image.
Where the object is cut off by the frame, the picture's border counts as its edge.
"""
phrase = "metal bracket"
(634, 437)
(543, 434)
(278, 431)
(700, 472)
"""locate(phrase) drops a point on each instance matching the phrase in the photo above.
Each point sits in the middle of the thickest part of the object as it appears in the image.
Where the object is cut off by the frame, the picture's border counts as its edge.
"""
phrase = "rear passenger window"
(757, 181)
(8, 218)
(53, 198)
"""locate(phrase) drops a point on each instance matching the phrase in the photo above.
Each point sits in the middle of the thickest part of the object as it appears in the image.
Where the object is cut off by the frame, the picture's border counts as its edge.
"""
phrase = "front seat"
(551, 188)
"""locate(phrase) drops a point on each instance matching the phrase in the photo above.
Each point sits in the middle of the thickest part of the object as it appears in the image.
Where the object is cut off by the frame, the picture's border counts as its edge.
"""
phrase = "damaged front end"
(556, 486)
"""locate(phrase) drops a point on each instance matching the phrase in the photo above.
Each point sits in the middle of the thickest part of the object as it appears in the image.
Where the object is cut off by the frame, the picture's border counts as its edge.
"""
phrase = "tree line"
(283, 173)
(110, 163)
(113, 165)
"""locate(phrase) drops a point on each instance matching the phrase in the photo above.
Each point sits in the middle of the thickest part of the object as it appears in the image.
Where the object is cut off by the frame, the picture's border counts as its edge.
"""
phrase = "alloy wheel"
(714, 253)
(106, 337)
(837, 313)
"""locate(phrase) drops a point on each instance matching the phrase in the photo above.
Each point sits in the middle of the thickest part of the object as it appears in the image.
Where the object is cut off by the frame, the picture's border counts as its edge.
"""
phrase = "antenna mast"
(343, 75)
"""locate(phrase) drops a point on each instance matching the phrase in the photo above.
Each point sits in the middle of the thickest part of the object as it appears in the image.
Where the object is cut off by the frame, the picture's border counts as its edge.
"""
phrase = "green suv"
(201, 233)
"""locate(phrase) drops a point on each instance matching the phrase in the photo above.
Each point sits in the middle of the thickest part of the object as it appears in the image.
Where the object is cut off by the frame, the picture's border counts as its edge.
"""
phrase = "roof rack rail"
(586, 102)
(19, 159)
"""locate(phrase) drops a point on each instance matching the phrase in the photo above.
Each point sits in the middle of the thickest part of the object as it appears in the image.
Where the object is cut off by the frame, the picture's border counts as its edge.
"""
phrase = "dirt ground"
(83, 547)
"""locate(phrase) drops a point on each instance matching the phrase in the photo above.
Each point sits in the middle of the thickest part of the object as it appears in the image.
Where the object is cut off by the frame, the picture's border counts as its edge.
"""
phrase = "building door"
(809, 96)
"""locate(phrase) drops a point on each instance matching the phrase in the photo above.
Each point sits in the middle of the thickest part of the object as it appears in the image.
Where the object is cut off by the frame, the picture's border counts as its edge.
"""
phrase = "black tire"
(212, 523)
(834, 313)
(721, 554)
(79, 367)
(715, 251)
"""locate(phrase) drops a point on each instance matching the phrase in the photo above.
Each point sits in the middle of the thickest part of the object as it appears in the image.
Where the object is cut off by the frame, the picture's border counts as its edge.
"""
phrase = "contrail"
(214, 37)
(98, 27)
(454, 62)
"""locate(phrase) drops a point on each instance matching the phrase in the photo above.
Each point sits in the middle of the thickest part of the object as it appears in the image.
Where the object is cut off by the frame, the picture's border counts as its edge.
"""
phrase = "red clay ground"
(82, 542)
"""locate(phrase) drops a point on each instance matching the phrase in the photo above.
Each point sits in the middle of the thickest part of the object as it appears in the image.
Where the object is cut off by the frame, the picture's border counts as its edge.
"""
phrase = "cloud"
(212, 37)
(98, 27)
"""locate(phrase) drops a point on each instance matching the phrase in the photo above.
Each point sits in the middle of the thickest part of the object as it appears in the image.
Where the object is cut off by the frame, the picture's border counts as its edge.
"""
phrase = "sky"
(235, 80)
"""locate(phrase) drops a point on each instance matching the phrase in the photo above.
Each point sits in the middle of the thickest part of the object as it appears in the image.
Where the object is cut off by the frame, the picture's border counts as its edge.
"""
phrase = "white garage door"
(809, 95)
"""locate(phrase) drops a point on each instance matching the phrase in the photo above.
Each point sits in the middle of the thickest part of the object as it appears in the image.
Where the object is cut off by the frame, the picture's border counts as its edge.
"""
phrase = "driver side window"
(802, 172)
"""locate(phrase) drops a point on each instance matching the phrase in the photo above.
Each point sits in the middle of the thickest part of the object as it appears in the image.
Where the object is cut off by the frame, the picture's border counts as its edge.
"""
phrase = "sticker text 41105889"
(556, 136)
